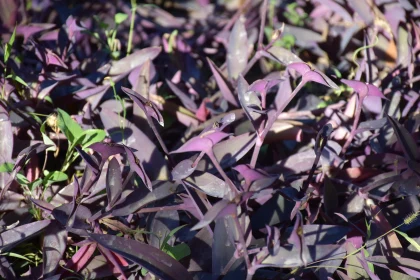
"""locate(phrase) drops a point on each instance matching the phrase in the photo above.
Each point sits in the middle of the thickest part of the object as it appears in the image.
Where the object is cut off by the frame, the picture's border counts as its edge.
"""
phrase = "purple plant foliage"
(202, 140)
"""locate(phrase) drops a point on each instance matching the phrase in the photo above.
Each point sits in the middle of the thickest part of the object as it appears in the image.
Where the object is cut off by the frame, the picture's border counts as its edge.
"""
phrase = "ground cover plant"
(248, 139)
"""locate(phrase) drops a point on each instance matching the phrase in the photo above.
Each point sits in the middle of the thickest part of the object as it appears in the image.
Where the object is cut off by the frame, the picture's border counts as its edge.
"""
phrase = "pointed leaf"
(237, 52)
(136, 165)
(55, 241)
(406, 140)
(113, 182)
(10, 238)
(152, 259)
(134, 60)
(222, 84)
(147, 106)
(209, 184)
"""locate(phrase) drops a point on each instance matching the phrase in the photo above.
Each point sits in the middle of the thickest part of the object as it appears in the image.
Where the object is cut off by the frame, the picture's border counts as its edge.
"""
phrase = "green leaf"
(8, 46)
(93, 136)
(120, 17)
(409, 239)
(35, 184)
(14, 255)
(6, 167)
(17, 79)
(53, 177)
(179, 251)
(22, 179)
(47, 140)
(68, 126)
(171, 233)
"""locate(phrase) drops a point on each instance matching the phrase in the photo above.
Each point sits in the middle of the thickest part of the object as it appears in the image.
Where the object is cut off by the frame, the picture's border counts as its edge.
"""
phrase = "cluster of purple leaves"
(256, 160)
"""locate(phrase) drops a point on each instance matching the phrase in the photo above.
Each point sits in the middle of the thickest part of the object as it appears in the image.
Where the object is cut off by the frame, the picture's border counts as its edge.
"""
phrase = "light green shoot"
(130, 35)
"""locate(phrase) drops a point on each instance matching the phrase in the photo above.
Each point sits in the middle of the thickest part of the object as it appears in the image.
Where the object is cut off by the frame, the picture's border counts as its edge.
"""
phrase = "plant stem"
(263, 19)
(130, 34)
(355, 125)
(222, 173)
(360, 249)
(261, 137)
(242, 240)
(196, 206)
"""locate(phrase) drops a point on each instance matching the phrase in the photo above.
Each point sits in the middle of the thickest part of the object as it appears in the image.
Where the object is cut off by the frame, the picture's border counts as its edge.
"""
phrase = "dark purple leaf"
(147, 106)
(140, 198)
(409, 266)
(237, 52)
(107, 149)
(161, 223)
(134, 60)
(79, 218)
(152, 259)
(10, 238)
(330, 196)
(55, 242)
(220, 209)
(113, 182)
(405, 139)
(137, 167)
(185, 99)
(222, 84)
(152, 160)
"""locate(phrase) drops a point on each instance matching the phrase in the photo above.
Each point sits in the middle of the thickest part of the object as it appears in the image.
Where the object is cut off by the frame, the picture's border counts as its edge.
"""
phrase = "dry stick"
(260, 138)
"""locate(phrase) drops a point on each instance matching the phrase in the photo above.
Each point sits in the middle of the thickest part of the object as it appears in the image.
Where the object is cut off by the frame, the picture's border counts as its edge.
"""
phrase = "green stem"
(130, 35)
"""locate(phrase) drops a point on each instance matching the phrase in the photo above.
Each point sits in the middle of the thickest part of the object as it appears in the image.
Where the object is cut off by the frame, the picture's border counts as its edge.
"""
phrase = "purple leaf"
(137, 167)
(222, 84)
(107, 149)
(183, 169)
(134, 60)
(140, 198)
(147, 106)
(220, 209)
(209, 184)
(154, 260)
(185, 99)
(301, 67)
(32, 28)
(10, 238)
(82, 257)
(55, 242)
(290, 256)
(405, 139)
(152, 160)
(297, 239)
(282, 55)
(363, 89)
(362, 8)
(6, 143)
(201, 143)
(79, 218)
(113, 182)
(237, 52)
(409, 266)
